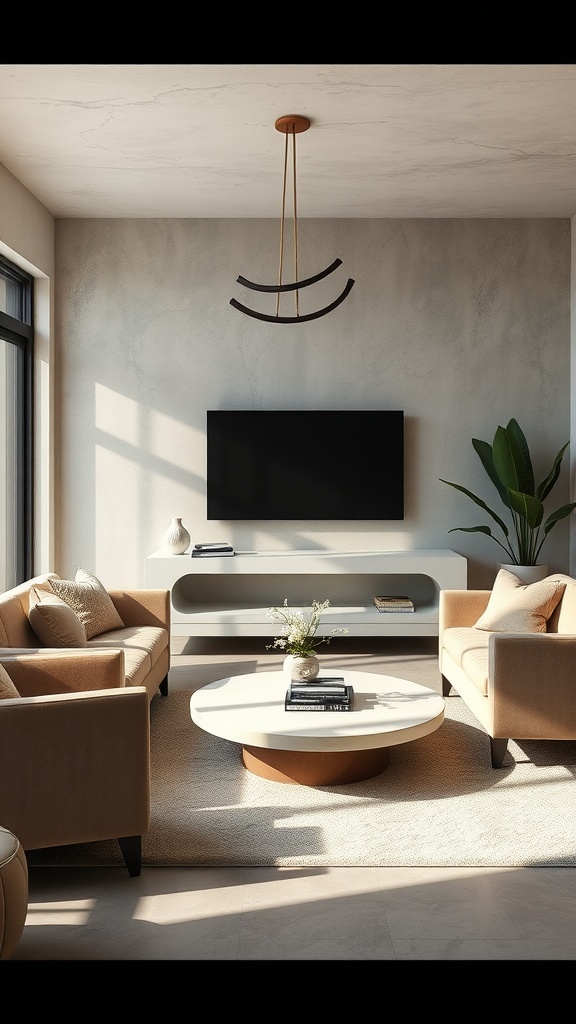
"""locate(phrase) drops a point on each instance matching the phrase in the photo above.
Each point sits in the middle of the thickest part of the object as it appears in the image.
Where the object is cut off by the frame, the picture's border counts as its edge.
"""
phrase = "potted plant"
(508, 464)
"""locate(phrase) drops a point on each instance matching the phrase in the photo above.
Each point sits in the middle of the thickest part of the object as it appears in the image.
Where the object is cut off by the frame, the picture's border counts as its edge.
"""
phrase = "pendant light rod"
(291, 125)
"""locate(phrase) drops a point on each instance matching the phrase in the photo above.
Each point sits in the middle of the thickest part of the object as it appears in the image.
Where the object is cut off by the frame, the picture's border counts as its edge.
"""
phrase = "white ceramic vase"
(526, 573)
(177, 537)
(301, 669)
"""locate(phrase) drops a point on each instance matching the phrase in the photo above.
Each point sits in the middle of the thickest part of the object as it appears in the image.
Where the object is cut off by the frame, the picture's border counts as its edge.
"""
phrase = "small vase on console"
(177, 538)
(301, 668)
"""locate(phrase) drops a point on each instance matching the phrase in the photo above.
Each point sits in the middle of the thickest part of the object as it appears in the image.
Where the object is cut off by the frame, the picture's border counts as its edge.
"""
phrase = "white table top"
(249, 709)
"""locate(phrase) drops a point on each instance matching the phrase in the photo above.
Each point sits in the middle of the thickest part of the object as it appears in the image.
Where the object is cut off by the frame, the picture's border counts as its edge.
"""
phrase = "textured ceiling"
(198, 140)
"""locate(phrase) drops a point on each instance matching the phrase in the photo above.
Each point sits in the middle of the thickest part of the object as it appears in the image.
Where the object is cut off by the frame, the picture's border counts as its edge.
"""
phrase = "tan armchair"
(75, 766)
(519, 685)
(75, 714)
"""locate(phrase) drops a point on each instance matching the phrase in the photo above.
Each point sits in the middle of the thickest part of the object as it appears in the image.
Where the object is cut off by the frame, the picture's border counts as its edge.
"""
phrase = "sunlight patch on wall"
(117, 415)
(176, 442)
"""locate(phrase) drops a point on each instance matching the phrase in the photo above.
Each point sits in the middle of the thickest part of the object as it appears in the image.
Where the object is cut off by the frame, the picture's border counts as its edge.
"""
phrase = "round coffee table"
(316, 748)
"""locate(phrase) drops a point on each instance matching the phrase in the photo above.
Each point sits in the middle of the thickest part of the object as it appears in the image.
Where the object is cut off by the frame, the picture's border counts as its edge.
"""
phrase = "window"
(16, 343)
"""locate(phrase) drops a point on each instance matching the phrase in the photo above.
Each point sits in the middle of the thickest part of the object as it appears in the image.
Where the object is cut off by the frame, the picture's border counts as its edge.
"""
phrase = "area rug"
(439, 803)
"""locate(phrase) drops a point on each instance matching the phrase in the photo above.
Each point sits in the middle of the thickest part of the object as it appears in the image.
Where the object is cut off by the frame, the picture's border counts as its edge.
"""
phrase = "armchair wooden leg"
(131, 847)
(446, 686)
(164, 686)
(498, 750)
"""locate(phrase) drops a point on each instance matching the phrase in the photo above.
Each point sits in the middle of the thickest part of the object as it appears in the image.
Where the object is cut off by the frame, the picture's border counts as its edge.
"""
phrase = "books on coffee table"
(385, 603)
(325, 693)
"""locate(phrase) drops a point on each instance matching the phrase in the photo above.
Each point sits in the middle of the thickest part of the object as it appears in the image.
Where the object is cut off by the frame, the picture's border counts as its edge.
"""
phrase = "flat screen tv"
(305, 465)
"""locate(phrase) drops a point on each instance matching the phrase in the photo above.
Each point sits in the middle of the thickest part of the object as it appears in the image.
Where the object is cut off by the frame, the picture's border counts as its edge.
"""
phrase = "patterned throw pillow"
(55, 623)
(91, 602)
(517, 607)
(7, 688)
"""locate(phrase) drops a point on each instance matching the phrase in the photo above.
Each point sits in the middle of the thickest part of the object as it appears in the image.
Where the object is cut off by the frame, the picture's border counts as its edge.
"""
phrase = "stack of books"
(207, 550)
(393, 604)
(325, 693)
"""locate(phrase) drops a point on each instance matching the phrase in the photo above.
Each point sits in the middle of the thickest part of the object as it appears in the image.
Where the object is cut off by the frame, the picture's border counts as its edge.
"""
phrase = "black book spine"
(290, 706)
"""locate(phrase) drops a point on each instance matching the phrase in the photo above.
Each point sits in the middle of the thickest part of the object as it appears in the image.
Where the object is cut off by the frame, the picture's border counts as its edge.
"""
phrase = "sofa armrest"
(76, 766)
(461, 607)
(531, 685)
(51, 670)
(143, 607)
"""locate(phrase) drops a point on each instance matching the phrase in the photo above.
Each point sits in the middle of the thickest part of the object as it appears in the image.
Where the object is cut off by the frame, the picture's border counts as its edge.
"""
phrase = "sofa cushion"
(90, 600)
(468, 647)
(54, 622)
(142, 646)
(565, 616)
(519, 607)
(7, 688)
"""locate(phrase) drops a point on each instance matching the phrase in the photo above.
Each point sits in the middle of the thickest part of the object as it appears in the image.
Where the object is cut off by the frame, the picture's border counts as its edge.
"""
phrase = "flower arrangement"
(299, 630)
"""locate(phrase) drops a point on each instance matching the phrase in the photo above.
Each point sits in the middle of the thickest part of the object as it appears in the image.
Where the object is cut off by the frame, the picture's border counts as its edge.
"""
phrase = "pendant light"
(291, 125)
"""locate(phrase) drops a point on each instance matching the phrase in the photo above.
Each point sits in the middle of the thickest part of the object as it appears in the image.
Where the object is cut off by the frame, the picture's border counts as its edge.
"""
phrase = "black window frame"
(19, 331)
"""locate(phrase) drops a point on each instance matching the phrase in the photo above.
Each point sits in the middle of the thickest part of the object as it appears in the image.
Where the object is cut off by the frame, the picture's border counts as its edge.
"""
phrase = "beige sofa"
(518, 680)
(75, 724)
(143, 638)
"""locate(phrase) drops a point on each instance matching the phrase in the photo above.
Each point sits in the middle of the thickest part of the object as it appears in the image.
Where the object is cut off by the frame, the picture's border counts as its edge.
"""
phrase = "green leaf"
(516, 433)
(484, 452)
(488, 532)
(530, 508)
(546, 486)
(482, 504)
(512, 461)
(559, 514)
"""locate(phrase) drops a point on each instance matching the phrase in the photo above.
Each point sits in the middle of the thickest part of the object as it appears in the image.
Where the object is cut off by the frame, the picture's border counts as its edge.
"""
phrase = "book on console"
(385, 603)
(211, 550)
(219, 545)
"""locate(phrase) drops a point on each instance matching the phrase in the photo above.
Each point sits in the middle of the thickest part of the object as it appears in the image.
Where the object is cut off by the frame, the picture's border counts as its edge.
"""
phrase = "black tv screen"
(305, 465)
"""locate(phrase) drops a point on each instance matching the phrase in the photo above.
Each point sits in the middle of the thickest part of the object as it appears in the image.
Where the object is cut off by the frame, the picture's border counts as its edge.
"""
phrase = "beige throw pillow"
(518, 607)
(7, 688)
(54, 622)
(91, 602)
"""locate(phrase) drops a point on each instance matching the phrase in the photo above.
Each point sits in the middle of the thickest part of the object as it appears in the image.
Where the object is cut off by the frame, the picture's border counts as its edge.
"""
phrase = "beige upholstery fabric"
(75, 767)
(15, 629)
(142, 648)
(90, 600)
(54, 622)
(518, 607)
(469, 649)
(567, 612)
(7, 688)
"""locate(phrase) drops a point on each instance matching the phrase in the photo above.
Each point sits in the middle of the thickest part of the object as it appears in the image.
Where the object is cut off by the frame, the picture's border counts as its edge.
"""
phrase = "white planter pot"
(527, 573)
(303, 670)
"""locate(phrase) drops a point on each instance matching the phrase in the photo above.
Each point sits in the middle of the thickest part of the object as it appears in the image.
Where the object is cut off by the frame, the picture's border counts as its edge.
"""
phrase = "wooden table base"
(315, 768)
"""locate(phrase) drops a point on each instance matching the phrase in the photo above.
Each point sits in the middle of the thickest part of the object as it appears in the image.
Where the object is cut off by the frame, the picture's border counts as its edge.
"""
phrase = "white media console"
(229, 596)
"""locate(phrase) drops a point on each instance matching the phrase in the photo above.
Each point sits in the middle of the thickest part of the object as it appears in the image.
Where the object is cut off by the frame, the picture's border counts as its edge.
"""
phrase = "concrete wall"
(461, 323)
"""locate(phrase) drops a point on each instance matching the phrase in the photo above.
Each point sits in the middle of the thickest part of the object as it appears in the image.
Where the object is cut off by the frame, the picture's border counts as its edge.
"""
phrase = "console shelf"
(230, 596)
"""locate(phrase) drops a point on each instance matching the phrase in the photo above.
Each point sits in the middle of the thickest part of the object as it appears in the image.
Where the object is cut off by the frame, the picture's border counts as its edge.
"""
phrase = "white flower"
(300, 630)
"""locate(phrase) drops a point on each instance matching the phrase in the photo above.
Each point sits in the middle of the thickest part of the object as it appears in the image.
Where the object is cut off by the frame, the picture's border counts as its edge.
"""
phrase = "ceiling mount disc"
(292, 123)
